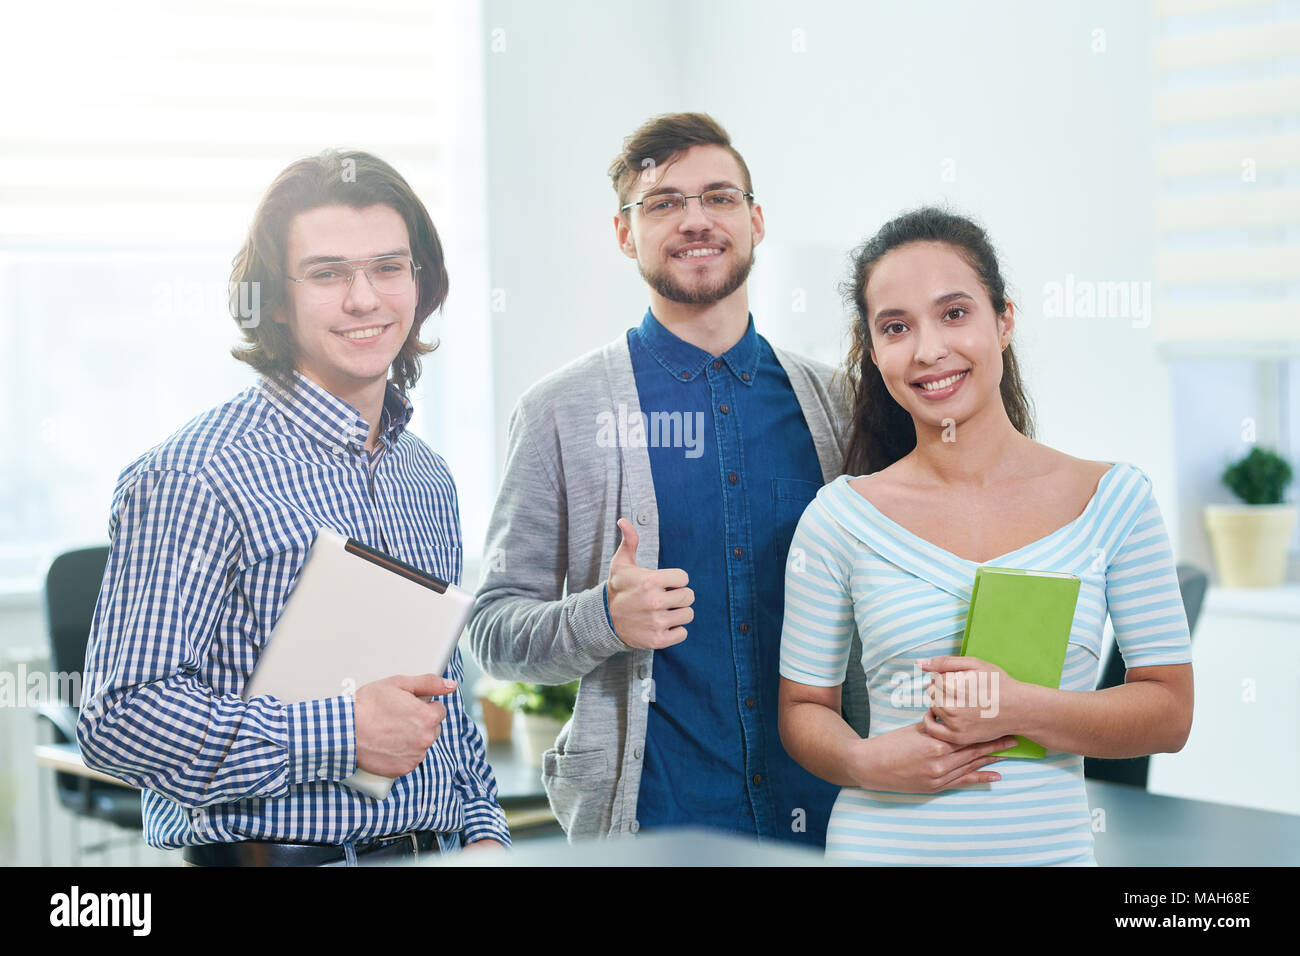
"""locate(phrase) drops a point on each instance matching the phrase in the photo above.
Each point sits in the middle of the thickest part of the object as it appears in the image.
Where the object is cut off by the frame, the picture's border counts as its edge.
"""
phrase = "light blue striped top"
(850, 566)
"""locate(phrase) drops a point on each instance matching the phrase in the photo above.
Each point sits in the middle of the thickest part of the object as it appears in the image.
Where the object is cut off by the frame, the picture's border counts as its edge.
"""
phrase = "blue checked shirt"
(209, 530)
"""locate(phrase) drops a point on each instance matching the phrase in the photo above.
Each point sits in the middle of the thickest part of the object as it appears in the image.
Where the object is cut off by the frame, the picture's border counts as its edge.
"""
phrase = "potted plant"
(496, 719)
(1250, 540)
(540, 712)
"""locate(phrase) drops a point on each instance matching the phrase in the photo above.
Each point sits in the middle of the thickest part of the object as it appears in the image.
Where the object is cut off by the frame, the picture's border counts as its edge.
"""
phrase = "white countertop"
(1282, 602)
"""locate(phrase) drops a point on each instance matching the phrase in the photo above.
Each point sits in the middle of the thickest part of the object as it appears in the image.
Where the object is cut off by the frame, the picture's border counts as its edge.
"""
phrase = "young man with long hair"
(211, 527)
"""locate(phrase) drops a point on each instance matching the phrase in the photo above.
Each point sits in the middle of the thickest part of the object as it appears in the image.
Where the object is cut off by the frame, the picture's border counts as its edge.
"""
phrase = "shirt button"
(744, 627)
(643, 517)
(637, 753)
(738, 552)
(749, 702)
(724, 408)
(684, 375)
(323, 772)
(641, 672)
(337, 449)
(745, 376)
(716, 365)
(635, 826)
(758, 778)
(733, 477)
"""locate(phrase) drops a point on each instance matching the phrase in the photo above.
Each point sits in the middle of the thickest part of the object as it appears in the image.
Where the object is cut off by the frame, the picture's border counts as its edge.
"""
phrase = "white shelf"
(1283, 602)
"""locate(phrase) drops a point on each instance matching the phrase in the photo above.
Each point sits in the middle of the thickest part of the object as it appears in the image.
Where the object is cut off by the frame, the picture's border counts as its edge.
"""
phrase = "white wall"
(1050, 143)
(571, 82)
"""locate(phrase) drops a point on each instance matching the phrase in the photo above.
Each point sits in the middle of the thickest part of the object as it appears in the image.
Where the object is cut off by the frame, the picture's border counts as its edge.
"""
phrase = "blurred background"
(1137, 165)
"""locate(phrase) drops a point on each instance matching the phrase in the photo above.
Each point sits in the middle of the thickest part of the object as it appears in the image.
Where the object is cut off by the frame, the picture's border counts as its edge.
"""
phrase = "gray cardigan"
(539, 615)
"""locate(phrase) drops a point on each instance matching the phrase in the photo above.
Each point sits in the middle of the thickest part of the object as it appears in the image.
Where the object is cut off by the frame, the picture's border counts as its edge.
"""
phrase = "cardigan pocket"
(581, 791)
(588, 763)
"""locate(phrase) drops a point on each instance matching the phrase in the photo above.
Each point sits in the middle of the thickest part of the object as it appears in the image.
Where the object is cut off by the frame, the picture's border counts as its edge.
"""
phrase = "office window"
(138, 146)
(1228, 164)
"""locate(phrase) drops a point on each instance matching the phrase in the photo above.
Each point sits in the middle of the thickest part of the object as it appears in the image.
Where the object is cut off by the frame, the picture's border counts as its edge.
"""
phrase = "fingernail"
(924, 662)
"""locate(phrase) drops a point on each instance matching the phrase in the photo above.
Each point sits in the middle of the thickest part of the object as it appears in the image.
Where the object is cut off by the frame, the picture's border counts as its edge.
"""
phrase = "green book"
(1020, 620)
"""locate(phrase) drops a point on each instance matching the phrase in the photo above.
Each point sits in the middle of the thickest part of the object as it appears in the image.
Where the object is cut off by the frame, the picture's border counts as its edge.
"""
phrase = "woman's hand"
(972, 700)
(910, 760)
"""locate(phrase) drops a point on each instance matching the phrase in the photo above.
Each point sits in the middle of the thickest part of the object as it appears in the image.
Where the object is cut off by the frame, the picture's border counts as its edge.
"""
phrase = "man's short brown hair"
(663, 137)
(335, 177)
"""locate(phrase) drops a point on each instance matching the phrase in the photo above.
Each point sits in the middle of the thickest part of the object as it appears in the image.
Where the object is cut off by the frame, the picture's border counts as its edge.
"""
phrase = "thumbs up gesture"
(650, 609)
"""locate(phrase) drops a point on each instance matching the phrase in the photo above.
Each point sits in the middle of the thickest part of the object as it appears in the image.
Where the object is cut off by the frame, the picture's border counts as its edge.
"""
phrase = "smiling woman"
(884, 430)
(939, 412)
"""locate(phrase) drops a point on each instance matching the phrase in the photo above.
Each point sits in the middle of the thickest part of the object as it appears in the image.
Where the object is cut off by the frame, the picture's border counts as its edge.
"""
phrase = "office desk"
(1144, 829)
(1141, 829)
(517, 781)
(521, 794)
(66, 758)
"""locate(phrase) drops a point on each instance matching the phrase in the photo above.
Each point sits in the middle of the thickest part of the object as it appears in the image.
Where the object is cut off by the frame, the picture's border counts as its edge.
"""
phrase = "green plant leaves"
(1260, 478)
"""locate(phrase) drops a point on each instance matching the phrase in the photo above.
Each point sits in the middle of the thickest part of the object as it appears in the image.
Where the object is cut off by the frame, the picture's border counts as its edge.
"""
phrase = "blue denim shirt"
(733, 466)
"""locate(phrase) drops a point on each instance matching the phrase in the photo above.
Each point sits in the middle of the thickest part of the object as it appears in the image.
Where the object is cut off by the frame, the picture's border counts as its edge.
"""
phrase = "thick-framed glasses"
(330, 281)
(717, 202)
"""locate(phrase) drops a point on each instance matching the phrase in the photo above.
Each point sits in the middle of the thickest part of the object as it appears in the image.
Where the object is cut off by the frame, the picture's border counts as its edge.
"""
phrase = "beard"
(663, 283)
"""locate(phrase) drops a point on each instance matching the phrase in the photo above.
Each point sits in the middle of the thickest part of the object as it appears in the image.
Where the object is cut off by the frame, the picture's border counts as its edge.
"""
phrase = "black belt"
(263, 853)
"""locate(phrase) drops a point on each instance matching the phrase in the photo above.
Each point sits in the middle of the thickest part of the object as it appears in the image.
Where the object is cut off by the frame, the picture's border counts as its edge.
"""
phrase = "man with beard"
(651, 490)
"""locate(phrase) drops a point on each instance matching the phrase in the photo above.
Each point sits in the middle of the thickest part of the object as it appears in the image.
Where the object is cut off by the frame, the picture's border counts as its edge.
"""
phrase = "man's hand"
(395, 725)
(649, 609)
(484, 844)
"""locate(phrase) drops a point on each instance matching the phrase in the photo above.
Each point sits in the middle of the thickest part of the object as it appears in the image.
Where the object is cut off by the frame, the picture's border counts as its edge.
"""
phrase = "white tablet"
(357, 615)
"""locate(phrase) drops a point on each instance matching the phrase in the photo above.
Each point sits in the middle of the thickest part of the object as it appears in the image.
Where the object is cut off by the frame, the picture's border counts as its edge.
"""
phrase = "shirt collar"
(683, 361)
(330, 420)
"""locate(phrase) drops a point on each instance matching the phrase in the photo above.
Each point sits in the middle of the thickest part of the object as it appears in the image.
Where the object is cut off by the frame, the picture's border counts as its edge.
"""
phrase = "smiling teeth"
(942, 383)
(697, 253)
(364, 333)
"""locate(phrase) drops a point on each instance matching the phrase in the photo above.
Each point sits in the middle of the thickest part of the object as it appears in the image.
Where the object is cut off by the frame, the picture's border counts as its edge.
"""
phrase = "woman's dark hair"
(335, 177)
(882, 432)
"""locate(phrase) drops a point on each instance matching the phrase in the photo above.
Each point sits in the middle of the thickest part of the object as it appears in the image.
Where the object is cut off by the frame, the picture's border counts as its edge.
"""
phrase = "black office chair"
(1192, 583)
(71, 589)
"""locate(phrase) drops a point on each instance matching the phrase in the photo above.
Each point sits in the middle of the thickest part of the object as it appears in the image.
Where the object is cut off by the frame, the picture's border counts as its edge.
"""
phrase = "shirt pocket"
(790, 498)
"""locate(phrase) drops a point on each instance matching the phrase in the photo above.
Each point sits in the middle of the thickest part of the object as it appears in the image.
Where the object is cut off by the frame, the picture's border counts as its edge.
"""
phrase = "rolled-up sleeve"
(147, 718)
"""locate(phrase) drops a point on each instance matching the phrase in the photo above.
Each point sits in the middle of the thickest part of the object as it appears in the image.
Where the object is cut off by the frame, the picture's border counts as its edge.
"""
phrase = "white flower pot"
(534, 734)
(1250, 543)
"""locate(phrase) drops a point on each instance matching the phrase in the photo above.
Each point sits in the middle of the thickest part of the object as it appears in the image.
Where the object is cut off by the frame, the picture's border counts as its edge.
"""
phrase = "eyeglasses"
(330, 281)
(716, 202)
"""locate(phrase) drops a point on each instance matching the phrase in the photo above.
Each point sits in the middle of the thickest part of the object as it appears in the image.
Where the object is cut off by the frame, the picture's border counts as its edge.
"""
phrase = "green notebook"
(1020, 620)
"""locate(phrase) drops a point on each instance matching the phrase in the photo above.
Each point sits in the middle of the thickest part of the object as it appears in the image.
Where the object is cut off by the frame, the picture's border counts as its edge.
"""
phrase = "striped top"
(852, 567)
(209, 531)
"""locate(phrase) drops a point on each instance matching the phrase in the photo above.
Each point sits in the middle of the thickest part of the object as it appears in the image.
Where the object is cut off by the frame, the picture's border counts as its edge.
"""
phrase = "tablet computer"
(357, 615)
